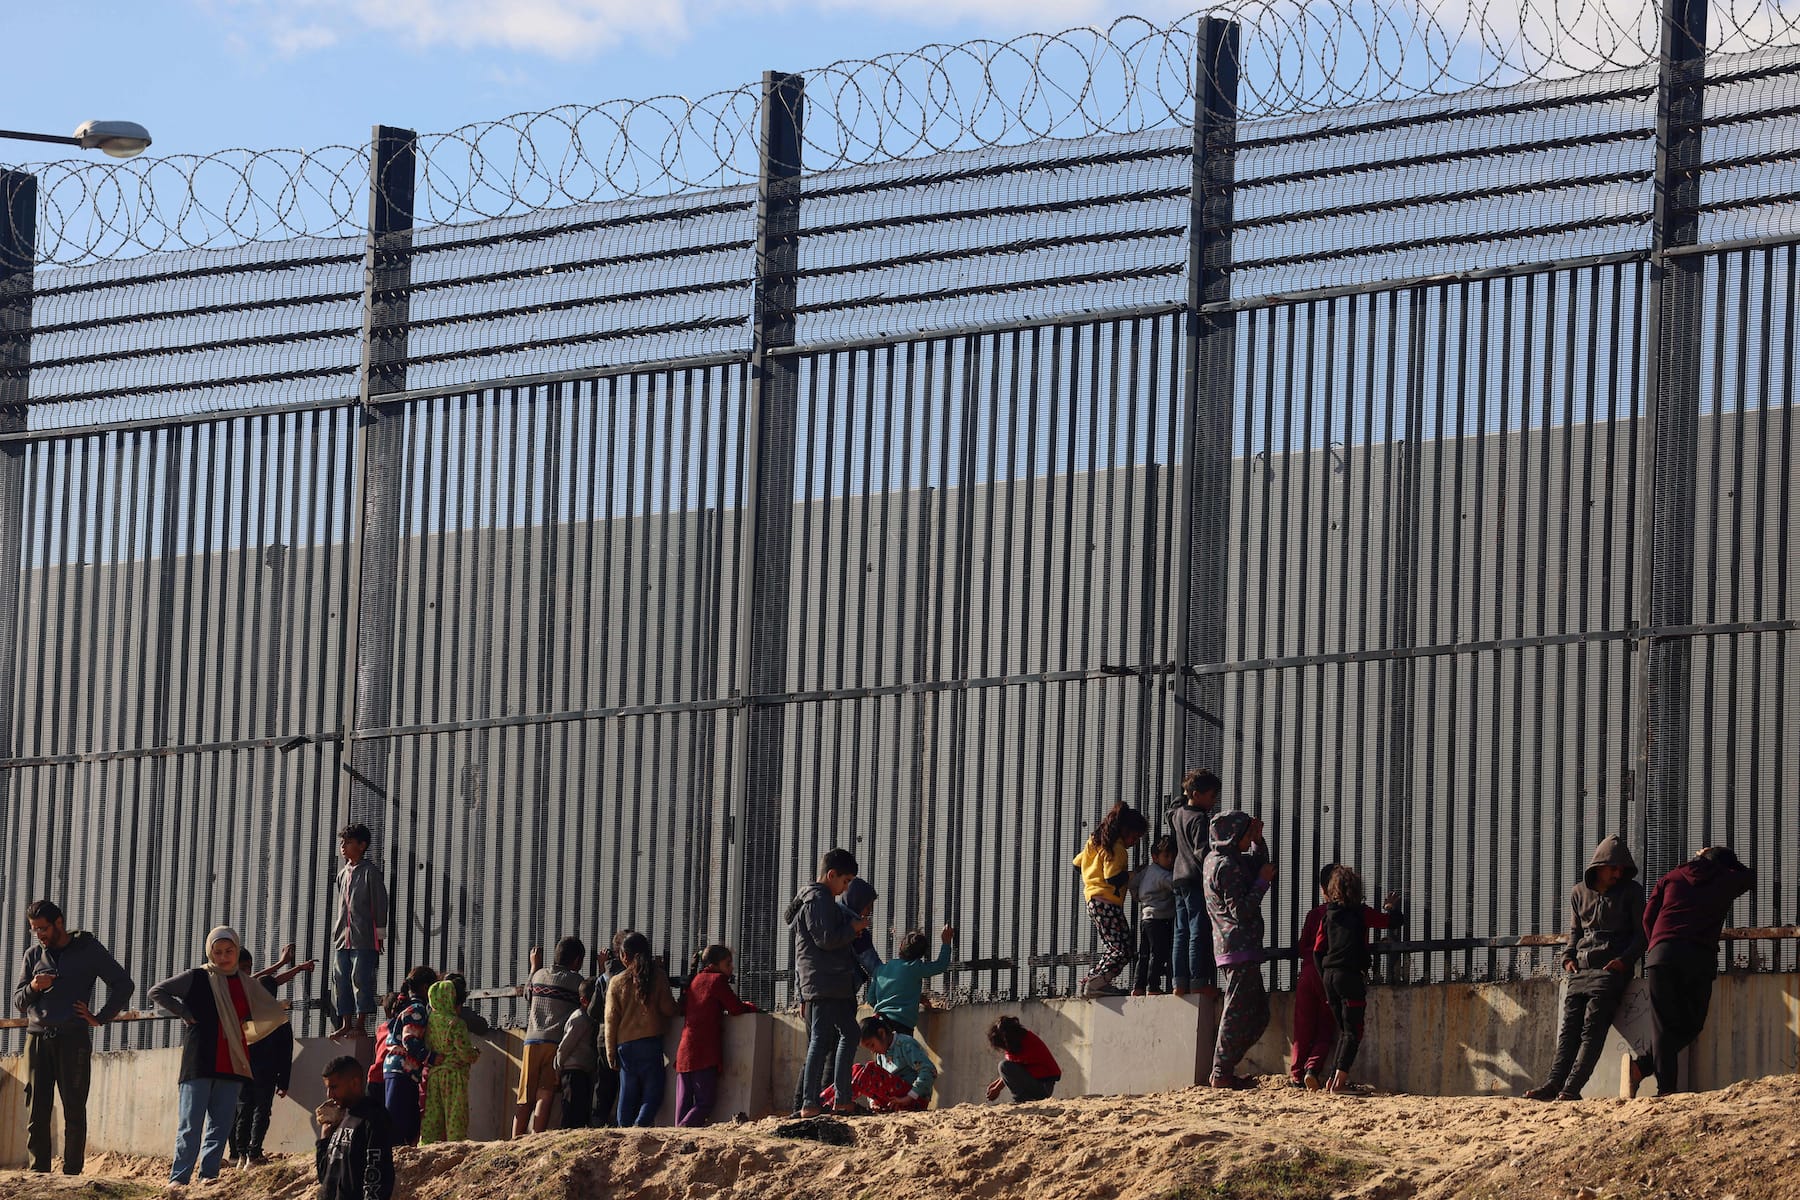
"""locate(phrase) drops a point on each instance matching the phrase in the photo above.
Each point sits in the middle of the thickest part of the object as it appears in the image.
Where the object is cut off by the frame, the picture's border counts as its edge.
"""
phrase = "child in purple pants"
(706, 1002)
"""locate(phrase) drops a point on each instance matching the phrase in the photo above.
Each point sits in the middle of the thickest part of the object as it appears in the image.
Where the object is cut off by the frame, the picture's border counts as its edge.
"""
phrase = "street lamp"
(120, 139)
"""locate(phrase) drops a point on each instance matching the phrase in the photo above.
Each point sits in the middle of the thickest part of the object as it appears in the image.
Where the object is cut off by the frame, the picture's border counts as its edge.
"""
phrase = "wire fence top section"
(1131, 76)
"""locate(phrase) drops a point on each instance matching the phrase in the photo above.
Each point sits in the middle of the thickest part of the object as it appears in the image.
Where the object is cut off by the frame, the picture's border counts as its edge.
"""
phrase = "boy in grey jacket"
(358, 931)
(1606, 939)
(1238, 873)
(827, 977)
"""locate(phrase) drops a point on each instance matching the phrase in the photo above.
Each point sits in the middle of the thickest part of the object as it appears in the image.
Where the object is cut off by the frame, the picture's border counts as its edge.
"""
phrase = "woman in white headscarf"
(224, 1012)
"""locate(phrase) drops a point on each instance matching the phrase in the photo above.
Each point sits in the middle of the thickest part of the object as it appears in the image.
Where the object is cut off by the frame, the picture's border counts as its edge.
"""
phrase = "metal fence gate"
(1422, 462)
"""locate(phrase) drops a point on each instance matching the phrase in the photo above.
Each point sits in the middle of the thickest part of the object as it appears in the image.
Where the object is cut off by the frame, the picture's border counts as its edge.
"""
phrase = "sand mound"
(1270, 1144)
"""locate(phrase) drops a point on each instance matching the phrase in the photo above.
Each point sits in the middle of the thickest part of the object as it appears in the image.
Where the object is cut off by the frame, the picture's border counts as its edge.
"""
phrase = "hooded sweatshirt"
(1687, 908)
(1608, 925)
(446, 1035)
(856, 898)
(824, 958)
(1234, 892)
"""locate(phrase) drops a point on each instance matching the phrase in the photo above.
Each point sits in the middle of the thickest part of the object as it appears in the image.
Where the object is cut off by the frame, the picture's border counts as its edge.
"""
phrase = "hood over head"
(1611, 852)
(1228, 827)
(859, 895)
(442, 996)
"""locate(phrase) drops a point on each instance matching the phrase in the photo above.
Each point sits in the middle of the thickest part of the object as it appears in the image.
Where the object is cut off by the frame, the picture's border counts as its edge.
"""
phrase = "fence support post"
(387, 272)
(18, 259)
(1668, 431)
(1208, 385)
(766, 534)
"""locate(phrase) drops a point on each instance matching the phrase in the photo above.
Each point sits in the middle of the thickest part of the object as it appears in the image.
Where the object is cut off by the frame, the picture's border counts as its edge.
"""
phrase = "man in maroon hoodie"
(1683, 918)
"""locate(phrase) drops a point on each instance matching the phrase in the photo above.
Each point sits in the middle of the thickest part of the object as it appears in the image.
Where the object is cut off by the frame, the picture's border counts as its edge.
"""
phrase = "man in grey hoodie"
(1606, 939)
(827, 978)
(55, 987)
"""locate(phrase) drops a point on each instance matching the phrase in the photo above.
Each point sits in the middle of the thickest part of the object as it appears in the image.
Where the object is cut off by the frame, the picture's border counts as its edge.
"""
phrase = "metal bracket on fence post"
(1208, 385)
(18, 259)
(387, 272)
(1668, 433)
(761, 653)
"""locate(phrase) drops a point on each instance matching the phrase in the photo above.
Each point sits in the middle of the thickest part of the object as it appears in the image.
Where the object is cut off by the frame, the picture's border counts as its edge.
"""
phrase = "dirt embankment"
(1270, 1144)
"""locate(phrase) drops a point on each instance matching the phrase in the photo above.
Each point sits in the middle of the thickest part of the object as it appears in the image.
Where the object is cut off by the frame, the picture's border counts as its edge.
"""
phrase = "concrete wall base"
(1441, 1040)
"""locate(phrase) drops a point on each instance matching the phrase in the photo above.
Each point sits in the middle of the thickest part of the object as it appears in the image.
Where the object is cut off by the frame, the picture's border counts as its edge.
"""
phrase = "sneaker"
(1568, 1095)
(1542, 1093)
(1312, 1081)
(1235, 1083)
(1139, 992)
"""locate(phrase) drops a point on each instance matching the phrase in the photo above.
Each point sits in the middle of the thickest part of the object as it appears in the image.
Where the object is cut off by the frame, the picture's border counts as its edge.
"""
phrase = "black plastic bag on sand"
(829, 1130)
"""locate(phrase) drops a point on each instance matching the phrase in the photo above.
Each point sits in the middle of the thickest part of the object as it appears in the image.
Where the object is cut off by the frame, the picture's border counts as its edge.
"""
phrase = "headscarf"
(266, 1013)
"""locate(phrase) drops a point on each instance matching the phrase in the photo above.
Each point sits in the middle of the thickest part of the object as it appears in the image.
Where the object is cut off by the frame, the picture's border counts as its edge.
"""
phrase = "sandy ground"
(1270, 1144)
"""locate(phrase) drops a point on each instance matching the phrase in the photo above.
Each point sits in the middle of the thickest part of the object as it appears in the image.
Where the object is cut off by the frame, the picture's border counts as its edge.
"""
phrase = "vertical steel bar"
(769, 484)
(387, 274)
(1207, 388)
(1671, 421)
(18, 261)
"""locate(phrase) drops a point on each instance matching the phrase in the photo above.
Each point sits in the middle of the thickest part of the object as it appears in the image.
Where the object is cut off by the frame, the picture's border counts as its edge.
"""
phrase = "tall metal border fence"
(616, 507)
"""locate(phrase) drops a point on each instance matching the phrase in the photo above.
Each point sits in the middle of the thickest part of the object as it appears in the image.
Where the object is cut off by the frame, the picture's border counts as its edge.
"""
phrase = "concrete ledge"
(1447, 1040)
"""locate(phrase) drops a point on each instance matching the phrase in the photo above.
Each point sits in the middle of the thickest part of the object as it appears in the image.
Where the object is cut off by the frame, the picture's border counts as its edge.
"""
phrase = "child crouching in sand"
(1027, 1068)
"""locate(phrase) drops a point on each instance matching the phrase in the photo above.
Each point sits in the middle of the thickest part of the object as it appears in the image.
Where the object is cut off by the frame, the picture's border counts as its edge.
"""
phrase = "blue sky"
(208, 75)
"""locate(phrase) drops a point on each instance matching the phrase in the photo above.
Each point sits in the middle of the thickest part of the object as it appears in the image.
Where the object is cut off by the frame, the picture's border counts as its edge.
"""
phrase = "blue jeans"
(640, 1081)
(832, 1039)
(353, 981)
(1191, 962)
(211, 1103)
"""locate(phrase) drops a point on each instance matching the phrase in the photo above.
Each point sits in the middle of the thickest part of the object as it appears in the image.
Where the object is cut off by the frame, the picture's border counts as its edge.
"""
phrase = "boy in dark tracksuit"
(1683, 918)
(1606, 938)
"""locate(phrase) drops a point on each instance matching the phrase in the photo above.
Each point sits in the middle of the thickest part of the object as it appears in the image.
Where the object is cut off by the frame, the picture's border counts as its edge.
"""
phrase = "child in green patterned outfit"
(447, 1086)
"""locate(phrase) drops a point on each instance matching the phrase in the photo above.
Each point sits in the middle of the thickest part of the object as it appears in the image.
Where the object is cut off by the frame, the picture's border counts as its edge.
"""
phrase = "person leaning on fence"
(1105, 866)
(705, 1003)
(1683, 918)
(553, 993)
(827, 978)
(638, 1007)
(1341, 952)
(1153, 885)
(353, 1157)
(1238, 873)
(1027, 1068)
(271, 1064)
(576, 1054)
(1191, 955)
(446, 1117)
(55, 989)
(358, 932)
(225, 1012)
(406, 1055)
(1606, 939)
(1314, 1031)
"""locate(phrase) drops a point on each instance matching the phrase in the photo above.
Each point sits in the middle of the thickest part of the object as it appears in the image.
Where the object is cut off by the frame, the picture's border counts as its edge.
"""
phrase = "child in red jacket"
(705, 1003)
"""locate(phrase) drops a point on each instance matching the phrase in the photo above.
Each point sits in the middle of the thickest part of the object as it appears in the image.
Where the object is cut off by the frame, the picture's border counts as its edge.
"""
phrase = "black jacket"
(356, 1162)
(189, 996)
(824, 962)
(272, 1059)
(1191, 829)
(78, 966)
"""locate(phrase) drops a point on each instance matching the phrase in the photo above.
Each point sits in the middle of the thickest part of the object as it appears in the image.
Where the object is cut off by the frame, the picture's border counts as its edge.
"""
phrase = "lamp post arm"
(39, 137)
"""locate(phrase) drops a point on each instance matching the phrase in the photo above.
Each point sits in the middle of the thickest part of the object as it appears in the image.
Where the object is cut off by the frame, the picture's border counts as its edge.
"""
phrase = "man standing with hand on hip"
(54, 991)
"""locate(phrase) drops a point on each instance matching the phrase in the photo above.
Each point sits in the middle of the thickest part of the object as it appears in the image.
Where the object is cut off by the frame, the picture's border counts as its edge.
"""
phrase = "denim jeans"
(831, 1044)
(1192, 958)
(640, 1081)
(353, 981)
(208, 1103)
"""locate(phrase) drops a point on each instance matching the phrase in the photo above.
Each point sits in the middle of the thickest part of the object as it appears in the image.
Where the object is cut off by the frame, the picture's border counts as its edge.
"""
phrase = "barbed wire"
(1127, 77)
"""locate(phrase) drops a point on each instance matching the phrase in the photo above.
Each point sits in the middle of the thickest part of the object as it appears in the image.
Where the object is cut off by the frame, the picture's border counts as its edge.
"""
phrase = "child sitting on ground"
(1154, 887)
(902, 1074)
(899, 983)
(1027, 1068)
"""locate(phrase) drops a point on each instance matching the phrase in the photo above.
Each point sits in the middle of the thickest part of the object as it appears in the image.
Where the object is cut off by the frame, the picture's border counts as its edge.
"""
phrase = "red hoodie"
(1687, 907)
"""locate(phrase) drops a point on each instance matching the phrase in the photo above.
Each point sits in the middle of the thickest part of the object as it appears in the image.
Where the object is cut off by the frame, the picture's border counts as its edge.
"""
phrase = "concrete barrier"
(1446, 1039)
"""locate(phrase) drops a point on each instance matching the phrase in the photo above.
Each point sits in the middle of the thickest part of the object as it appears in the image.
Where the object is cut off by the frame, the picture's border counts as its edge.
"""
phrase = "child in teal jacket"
(904, 1059)
(899, 982)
